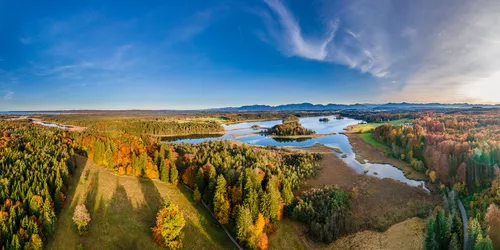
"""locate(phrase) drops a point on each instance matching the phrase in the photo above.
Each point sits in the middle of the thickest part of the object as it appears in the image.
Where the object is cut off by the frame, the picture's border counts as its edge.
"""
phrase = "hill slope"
(123, 210)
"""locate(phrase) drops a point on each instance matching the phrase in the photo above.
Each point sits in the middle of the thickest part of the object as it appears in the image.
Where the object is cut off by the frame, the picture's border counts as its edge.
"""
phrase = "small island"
(290, 128)
(324, 119)
(254, 127)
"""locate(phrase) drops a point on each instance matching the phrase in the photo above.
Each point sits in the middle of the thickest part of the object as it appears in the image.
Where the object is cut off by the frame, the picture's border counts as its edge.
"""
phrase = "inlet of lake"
(337, 140)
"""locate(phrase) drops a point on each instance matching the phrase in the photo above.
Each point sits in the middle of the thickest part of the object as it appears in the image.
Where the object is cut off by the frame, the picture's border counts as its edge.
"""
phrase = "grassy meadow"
(123, 211)
(367, 137)
(366, 127)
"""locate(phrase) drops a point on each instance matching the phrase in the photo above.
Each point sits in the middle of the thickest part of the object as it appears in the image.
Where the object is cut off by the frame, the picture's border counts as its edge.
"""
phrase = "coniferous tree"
(174, 174)
(164, 171)
(196, 195)
(221, 202)
(200, 179)
(454, 243)
(243, 223)
(286, 193)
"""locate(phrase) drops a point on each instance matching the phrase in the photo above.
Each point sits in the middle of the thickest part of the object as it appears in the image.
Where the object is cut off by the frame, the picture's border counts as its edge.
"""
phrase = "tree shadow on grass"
(114, 222)
(206, 221)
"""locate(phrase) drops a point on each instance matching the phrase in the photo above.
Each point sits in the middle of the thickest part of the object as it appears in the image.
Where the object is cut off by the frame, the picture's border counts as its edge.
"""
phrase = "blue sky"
(200, 54)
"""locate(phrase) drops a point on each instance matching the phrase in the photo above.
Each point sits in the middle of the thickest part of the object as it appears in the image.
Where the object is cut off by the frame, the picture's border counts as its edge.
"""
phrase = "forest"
(326, 211)
(250, 189)
(156, 127)
(247, 188)
(457, 149)
(34, 165)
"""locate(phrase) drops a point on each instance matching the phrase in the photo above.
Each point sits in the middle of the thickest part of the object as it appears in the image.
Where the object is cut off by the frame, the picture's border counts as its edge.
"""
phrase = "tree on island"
(289, 129)
(290, 119)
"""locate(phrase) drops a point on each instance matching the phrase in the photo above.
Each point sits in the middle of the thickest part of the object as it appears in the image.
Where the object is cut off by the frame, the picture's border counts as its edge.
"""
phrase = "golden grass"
(363, 128)
(123, 210)
(408, 234)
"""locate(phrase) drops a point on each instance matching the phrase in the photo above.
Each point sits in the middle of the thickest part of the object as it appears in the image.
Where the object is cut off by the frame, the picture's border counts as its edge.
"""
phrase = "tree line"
(327, 212)
(246, 187)
(34, 166)
(289, 129)
(457, 148)
(157, 127)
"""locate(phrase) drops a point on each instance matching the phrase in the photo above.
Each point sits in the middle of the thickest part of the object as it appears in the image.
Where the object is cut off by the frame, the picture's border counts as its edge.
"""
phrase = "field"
(123, 210)
(367, 137)
(365, 127)
(366, 147)
(370, 208)
(408, 234)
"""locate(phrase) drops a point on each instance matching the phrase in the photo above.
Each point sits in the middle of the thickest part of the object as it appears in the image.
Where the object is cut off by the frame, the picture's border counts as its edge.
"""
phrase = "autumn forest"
(225, 192)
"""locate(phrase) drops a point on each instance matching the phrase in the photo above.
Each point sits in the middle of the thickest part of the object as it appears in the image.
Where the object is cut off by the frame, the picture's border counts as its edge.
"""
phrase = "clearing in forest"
(123, 211)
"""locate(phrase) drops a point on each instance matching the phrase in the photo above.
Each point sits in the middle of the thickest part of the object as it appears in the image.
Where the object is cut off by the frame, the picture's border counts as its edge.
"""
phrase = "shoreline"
(365, 151)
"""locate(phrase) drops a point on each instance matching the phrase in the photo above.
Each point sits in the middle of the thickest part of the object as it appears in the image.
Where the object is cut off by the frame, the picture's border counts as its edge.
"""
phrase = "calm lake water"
(52, 125)
(335, 141)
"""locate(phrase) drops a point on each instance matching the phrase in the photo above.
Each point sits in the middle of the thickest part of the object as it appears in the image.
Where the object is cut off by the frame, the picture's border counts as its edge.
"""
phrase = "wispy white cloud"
(8, 95)
(345, 46)
(194, 25)
(419, 50)
(290, 37)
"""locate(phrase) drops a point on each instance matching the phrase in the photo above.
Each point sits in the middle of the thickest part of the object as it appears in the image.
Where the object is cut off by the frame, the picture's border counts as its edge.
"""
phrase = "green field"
(369, 126)
(123, 211)
(367, 137)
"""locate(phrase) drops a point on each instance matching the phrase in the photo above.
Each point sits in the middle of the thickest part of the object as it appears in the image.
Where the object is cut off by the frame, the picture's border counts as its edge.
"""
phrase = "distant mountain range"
(285, 107)
(358, 106)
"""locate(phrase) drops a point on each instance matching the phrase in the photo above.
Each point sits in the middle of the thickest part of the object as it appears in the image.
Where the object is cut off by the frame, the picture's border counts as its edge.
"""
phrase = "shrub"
(196, 195)
(81, 219)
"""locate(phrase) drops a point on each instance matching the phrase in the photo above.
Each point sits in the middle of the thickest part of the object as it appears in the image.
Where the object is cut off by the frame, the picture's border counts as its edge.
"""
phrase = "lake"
(52, 125)
(339, 141)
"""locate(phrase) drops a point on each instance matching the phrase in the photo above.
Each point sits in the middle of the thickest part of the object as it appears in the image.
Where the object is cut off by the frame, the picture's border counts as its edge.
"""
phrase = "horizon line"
(249, 105)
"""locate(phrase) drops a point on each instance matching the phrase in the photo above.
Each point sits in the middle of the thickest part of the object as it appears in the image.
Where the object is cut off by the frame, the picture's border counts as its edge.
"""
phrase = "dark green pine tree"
(174, 174)
(221, 202)
(243, 223)
(164, 171)
(286, 193)
(430, 239)
(252, 201)
(48, 216)
(208, 195)
(483, 243)
(442, 230)
(200, 180)
(454, 243)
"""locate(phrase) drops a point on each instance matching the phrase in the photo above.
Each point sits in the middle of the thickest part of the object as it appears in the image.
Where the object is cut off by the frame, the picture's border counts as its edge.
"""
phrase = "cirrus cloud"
(418, 50)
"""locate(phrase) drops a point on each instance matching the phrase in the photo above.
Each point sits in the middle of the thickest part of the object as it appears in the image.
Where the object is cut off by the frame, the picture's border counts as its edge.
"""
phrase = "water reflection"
(339, 141)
